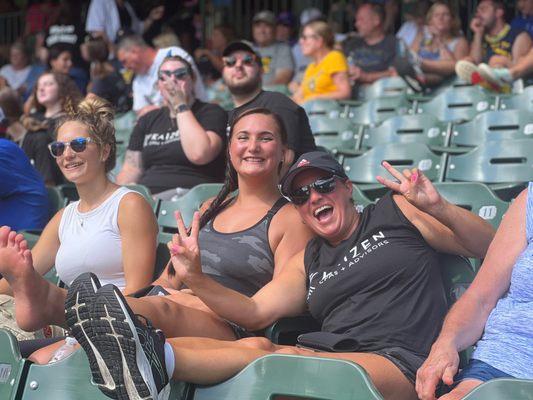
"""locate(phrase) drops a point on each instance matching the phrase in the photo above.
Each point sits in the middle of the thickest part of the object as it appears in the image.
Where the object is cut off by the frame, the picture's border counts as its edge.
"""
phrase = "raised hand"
(414, 186)
(173, 92)
(184, 249)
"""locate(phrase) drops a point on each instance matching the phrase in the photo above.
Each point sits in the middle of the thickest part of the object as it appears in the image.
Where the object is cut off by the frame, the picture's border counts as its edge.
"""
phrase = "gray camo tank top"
(242, 261)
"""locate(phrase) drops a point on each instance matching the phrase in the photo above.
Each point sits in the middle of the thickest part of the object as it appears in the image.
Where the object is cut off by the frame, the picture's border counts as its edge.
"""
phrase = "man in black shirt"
(242, 74)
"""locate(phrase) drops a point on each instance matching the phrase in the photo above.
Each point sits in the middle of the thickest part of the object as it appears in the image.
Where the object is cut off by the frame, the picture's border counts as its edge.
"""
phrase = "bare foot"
(30, 290)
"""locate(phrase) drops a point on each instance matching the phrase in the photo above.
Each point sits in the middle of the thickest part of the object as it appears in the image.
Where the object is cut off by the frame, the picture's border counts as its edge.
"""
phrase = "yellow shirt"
(318, 77)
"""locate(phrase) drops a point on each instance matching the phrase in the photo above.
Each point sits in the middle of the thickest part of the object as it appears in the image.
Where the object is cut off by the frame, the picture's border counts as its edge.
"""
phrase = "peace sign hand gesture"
(414, 186)
(184, 249)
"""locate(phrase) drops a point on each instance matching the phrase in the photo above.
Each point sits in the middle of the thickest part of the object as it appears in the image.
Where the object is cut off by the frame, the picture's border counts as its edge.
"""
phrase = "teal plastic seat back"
(457, 274)
(56, 199)
(375, 111)
(422, 128)
(494, 125)
(364, 168)
(454, 105)
(522, 101)
(503, 388)
(384, 87)
(11, 367)
(494, 162)
(359, 197)
(305, 377)
(124, 125)
(328, 108)
(475, 197)
(283, 89)
(334, 133)
(70, 379)
(187, 205)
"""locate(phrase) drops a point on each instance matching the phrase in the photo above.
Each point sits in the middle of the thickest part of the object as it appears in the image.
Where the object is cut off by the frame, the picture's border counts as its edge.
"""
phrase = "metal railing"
(11, 27)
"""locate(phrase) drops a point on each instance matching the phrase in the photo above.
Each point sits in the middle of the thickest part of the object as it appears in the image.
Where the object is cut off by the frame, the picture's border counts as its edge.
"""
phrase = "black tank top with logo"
(381, 287)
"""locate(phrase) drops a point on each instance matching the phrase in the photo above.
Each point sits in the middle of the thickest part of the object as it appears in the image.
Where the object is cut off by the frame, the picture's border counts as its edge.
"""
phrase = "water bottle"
(68, 347)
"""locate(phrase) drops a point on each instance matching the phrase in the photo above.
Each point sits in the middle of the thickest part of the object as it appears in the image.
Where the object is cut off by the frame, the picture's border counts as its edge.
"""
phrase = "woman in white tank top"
(111, 231)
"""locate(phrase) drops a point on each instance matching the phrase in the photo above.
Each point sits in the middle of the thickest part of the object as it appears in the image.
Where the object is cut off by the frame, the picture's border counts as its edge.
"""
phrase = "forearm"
(128, 176)
(471, 231)
(226, 302)
(371, 77)
(196, 143)
(440, 67)
(476, 49)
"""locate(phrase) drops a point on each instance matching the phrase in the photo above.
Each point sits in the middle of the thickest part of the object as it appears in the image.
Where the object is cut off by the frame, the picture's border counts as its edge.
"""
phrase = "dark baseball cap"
(314, 159)
(265, 16)
(241, 45)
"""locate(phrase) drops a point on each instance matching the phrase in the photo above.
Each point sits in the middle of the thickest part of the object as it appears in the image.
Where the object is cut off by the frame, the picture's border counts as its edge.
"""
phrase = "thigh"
(462, 389)
(386, 376)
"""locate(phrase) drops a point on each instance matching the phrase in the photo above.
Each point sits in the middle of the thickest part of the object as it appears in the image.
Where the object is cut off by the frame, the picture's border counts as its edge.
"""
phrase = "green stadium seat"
(475, 197)
(522, 101)
(187, 204)
(283, 89)
(384, 87)
(497, 162)
(12, 367)
(375, 111)
(288, 375)
(421, 128)
(335, 134)
(329, 108)
(455, 105)
(503, 388)
(364, 168)
(57, 201)
(493, 125)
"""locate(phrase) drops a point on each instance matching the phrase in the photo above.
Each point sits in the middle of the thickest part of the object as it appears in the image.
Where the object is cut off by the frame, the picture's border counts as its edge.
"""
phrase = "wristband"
(181, 108)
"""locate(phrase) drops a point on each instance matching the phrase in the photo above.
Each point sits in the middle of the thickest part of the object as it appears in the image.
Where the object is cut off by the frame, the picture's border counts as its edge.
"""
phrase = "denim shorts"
(481, 371)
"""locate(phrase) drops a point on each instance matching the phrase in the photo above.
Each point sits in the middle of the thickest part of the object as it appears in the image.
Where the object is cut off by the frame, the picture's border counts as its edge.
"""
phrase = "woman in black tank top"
(370, 278)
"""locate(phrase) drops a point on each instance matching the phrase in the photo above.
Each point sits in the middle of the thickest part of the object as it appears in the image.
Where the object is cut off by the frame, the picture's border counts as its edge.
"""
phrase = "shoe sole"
(466, 70)
(114, 334)
(493, 82)
(80, 299)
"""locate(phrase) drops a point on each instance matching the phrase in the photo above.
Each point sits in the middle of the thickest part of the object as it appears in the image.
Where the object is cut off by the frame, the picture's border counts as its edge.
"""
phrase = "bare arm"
(476, 48)
(132, 169)
(44, 252)
(199, 145)
(371, 77)
(283, 296)
(521, 46)
(446, 65)
(465, 322)
(138, 232)
(343, 89)
(444, 226)
(282, 77)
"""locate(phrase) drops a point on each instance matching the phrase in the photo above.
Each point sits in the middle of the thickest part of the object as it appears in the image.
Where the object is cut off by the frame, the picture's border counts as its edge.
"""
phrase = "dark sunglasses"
(179, 74)
(78, 145)
(322, 185)
(230, 61)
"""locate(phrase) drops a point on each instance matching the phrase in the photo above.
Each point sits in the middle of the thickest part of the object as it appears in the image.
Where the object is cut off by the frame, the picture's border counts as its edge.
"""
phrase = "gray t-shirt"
(275, 57)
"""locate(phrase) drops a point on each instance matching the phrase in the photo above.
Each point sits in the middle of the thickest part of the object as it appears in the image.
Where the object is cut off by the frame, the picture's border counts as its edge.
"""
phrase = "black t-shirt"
(370, 58)
(113, 88)
(300, 138)
(70, 34)
(165, 164)
(381, 287)
(35, 145)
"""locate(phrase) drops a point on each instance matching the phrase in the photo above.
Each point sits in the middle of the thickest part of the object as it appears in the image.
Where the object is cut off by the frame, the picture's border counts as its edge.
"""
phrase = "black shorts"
(406, 361)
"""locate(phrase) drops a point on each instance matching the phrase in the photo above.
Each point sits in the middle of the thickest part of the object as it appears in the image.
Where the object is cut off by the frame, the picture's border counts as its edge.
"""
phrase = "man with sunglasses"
(242, 74)
(144, 61)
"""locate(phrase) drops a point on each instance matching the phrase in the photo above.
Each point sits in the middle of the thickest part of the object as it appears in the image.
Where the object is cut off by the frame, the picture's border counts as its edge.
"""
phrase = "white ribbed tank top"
(90, 242)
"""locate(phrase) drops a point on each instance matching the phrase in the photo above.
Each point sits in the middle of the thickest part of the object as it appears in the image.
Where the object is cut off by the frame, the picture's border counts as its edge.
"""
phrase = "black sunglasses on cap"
(247, 59)
(78, 145)
(179, 74)
(323, 185)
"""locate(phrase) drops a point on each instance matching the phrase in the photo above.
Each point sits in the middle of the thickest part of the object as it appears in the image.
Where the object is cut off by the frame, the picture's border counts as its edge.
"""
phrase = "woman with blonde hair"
(440, 44)
(111, 231)
(326, 77)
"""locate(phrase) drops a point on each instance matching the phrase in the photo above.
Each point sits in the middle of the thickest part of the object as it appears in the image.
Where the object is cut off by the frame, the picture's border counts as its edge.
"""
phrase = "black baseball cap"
(314, 159)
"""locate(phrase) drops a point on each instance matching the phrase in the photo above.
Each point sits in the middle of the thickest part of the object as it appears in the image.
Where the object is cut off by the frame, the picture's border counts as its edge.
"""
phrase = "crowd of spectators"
(231, 110)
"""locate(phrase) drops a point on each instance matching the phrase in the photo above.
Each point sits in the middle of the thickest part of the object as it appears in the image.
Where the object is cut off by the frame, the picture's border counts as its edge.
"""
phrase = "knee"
(41, 356)
(257, 343)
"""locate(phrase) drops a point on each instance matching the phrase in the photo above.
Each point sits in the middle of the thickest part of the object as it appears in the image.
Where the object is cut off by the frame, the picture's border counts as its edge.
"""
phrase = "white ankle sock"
(169, 359)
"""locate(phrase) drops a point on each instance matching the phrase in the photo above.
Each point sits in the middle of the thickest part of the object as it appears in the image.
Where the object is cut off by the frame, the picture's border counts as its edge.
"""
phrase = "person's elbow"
(345, 92)
(203, 156)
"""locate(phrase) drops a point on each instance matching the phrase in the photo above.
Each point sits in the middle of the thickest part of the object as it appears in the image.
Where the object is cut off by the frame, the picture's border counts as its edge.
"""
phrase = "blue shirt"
(507, 343)
(523, 23)
(24, 200)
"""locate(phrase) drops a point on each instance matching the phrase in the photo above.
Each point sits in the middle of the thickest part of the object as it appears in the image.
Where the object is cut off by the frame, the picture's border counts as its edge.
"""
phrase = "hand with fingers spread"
(414, 186)
(173, 92)
(184, 249)
(441, 365)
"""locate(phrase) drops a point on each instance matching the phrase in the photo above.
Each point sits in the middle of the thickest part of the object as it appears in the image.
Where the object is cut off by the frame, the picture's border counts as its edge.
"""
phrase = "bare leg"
(37, 302)
(207, 361)
(523, 67)
(462, 389)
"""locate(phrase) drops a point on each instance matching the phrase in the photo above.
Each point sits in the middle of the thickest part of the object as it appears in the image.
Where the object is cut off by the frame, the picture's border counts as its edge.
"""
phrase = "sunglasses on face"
(78, 145)
(230, 61)
(323, 185)
(179, 74)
